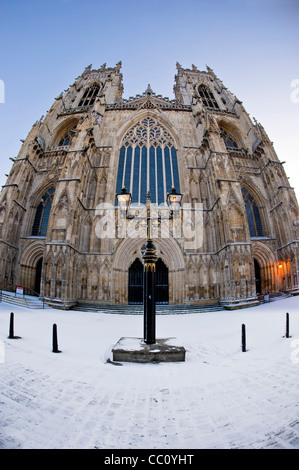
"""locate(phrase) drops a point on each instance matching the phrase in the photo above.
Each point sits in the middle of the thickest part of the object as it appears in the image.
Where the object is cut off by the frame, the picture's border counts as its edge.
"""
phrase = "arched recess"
(207, 96)
(89, 94)
(170, 253)
(227, 126)
(91, 191)
(135, 284)
(260, 203)
(63, 129)
(85, 234)
(236, 223)
(35, 200)
(265, 264)
(60, 216)
(31, 266)
(83, 280)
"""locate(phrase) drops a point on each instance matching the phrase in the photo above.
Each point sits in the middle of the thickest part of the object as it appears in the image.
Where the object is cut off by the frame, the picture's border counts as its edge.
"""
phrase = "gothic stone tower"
(92, 142)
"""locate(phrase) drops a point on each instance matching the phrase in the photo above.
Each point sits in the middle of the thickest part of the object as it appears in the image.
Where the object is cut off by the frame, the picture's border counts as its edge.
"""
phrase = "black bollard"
(55, 342)
(243, 338)
(287, 326)
(11, 328)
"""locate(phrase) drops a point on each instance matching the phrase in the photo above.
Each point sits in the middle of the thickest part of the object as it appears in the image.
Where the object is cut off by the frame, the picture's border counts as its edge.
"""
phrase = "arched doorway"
(258, 280)
(161, 282)
(38, 275)
(136, 282)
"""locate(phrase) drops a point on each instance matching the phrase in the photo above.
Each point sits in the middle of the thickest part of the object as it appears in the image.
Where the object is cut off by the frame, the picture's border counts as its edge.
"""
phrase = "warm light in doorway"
(280, 266)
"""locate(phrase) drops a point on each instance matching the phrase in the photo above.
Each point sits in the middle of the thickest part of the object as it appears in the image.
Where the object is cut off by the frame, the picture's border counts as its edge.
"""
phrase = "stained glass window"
(207, 97)
(42, 214)
(148, 162)
(253, 215)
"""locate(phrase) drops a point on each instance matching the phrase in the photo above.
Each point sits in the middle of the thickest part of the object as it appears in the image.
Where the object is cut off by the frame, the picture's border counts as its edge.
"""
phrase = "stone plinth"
(237, 304)
(135, 350)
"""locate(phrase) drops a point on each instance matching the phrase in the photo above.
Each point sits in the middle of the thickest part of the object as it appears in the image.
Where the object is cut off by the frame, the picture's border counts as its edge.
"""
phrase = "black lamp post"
(149, 280)
(149, 261)
(149, 270)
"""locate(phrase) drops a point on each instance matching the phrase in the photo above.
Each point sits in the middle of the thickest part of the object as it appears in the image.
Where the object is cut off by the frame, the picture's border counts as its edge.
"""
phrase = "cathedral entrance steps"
(33, 302)
(160, 309)
(27, 301)
(273, 297)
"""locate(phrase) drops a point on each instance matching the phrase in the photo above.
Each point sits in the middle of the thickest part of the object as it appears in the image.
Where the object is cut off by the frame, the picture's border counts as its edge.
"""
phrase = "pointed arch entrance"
(162, 290)
(136, 282)
(258, 281)
(38, 275)
(170, 253)
(31, 264)
(264, 268)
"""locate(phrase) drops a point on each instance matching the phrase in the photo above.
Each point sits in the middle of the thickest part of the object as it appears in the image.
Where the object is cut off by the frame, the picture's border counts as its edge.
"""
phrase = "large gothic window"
(148, 162)
(66, 139)
(229, 140)
(89, 96)
(207, 97)
(42, 214)
(253, 215)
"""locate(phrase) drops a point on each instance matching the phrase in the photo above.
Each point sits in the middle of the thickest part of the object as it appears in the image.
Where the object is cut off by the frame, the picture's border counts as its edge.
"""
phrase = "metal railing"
(26, 291)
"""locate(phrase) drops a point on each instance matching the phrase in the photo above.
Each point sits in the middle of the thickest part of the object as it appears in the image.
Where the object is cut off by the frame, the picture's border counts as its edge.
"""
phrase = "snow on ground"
(219, 398)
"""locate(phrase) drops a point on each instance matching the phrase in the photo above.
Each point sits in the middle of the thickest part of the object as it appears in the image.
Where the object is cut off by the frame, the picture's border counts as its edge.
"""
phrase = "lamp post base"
(136, 350)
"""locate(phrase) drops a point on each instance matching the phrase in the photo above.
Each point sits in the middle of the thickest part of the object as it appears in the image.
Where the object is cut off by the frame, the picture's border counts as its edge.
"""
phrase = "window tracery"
(229, 140)
(66, 139)
(42, 214)
(148, 162)
(207, 97)
(89, 96)
(253, 215)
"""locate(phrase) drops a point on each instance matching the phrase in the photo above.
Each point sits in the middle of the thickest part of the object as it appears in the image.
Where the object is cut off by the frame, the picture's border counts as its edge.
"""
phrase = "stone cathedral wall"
(227, 167)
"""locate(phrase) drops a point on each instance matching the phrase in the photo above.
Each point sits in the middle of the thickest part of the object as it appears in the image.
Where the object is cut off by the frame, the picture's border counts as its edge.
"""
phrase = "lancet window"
(253, 215)
(148, 162)
(229, 140)
(42, 214)
(89, 96)
(66, 139)
(207, 97)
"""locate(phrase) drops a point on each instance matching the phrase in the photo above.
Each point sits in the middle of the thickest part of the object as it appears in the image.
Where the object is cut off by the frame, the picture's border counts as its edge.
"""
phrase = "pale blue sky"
(251, 45)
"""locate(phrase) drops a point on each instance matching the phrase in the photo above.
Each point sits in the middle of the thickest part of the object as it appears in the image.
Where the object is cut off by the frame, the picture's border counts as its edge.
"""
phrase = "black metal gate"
(136, 282)
(258, 281)
(161, 291)
(38, 275)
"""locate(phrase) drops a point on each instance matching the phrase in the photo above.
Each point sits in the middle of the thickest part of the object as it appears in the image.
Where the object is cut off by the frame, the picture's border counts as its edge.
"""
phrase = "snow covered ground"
(219, 398)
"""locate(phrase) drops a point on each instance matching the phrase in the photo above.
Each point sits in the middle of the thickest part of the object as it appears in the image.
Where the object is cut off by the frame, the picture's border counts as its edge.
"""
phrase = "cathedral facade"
(64, 237)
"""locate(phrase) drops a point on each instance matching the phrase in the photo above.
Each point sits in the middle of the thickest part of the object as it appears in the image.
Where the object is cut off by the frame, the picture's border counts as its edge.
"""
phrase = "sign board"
(19, 290)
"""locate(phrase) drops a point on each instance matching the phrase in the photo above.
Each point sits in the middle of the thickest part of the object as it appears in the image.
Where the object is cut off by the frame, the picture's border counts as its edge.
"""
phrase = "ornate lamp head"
(124, 199)
(174, 199)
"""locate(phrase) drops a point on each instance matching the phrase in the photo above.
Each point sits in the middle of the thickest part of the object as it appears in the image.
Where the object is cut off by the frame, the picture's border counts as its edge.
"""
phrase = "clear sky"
(252, 45)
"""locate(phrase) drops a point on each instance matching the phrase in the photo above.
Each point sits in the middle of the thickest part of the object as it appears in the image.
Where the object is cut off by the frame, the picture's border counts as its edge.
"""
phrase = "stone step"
(138, 309)
(29, 301)
(33, 302)
(273, 297)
